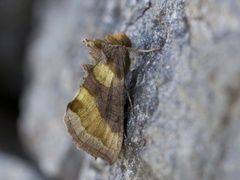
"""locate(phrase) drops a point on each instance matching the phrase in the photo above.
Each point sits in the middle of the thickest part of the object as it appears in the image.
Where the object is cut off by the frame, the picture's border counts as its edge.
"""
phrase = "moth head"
(119, 39)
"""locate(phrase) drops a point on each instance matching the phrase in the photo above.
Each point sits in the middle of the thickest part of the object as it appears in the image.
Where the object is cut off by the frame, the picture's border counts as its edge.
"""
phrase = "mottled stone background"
(186, 96)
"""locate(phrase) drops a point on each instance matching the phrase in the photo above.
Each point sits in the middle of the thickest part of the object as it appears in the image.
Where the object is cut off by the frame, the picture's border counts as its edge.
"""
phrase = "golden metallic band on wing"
(85, 107)
(90, 143)
(103, 74)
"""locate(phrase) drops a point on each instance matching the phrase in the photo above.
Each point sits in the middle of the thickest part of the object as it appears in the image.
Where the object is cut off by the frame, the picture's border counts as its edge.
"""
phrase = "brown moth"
(95, 116)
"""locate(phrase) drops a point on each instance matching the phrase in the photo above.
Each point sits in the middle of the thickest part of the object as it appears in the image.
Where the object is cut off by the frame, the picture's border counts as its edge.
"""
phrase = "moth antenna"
(148, 50)
(142, 50)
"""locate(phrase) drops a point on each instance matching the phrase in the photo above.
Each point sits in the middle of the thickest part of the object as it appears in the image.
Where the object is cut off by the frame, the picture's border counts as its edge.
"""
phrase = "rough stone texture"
(186, 97)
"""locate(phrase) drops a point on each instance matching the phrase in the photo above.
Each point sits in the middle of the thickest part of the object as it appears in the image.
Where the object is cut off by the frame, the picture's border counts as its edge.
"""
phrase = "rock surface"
(186, 97)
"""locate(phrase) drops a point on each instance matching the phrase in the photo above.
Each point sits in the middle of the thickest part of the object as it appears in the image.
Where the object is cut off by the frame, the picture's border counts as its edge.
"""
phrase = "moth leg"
(129, 99)
(87, 67)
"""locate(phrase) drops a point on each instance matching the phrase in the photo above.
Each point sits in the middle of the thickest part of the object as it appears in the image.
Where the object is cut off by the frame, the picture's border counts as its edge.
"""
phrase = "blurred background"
(15, 31)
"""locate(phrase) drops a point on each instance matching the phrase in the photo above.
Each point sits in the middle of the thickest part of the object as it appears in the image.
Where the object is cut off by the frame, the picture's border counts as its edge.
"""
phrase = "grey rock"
(185, 96)
(13, 168)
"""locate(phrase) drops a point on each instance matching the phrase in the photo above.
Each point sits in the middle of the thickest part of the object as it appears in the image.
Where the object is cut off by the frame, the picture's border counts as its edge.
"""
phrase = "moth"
(94, 118)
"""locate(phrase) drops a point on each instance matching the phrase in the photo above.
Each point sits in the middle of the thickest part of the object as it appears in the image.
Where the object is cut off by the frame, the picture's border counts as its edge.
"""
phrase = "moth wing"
(94, 118)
